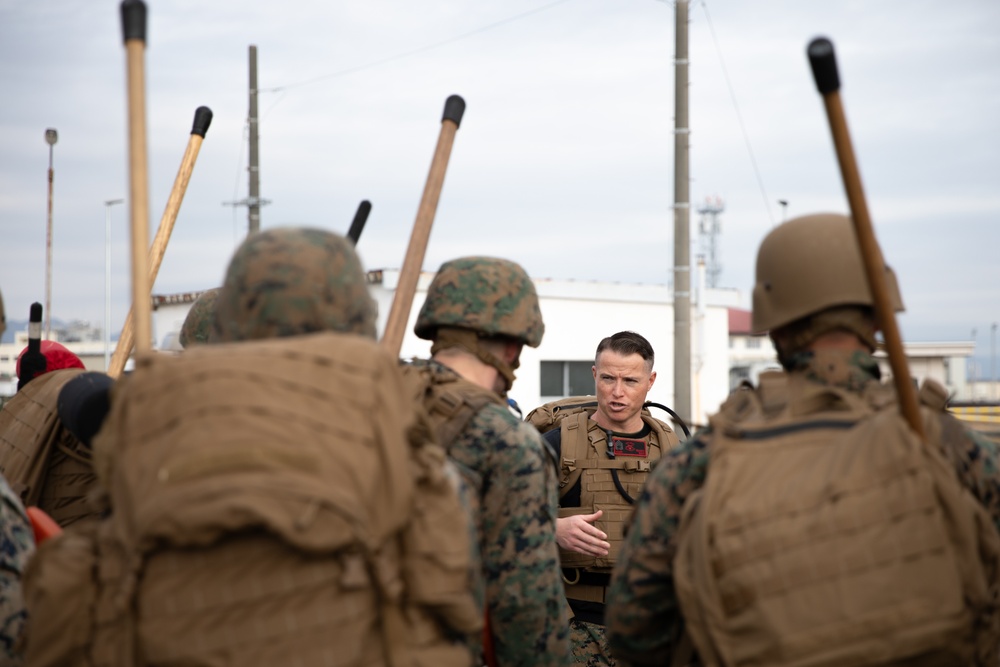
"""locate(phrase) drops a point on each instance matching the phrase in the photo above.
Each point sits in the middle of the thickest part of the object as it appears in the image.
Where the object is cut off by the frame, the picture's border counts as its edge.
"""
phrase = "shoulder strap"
(663, 435)
(451, 402)
(574, 440)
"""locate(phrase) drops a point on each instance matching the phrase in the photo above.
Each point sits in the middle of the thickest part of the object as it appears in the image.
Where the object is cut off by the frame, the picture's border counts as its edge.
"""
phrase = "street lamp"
(993, 361)
(108, 203)
(51, 137)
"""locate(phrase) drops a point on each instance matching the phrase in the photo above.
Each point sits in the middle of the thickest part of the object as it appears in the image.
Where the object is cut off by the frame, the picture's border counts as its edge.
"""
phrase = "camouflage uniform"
(643, 616)
(472, 299)
(516, 523)
(197, 327)
(809, 283)
(16, 546)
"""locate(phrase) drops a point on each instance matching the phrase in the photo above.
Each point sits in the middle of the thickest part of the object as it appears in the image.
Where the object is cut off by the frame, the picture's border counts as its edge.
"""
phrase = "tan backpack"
(827, 533)
(549, 416)
(43, 462)
(275, 502)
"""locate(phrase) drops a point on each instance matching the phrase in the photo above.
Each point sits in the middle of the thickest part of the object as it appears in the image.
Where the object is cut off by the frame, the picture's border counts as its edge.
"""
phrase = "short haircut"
(627, 343)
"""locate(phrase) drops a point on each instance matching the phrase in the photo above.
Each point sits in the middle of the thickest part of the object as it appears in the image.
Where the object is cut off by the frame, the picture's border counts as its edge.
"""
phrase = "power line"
(422, 49)
(739, 115)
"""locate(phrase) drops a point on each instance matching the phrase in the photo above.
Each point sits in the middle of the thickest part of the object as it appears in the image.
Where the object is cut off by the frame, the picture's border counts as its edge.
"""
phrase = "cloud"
(564, 161)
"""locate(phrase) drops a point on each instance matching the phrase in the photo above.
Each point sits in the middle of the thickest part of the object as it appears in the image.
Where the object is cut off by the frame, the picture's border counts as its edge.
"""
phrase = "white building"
(577, 316)
(750, 354)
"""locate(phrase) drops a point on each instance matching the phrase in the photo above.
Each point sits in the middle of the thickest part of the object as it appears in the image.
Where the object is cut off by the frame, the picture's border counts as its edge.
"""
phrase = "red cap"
(56, 358)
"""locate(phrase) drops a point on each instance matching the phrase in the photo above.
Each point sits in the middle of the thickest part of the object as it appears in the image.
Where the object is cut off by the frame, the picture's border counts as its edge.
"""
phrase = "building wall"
(578, 315)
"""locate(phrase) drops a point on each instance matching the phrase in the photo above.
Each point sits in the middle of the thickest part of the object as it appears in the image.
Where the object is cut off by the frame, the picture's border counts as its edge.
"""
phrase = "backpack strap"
(452, 403)
(664, 437)
(574, 440)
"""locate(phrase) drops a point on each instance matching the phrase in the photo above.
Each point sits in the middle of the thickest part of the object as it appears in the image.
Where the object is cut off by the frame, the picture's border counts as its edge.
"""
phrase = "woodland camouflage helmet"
(197, 327)
(488, 295)
(293, 281)
(810, 264)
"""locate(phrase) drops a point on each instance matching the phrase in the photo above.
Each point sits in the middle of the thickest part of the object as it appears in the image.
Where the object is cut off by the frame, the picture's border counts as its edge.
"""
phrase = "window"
(753, 343)
(567, 378)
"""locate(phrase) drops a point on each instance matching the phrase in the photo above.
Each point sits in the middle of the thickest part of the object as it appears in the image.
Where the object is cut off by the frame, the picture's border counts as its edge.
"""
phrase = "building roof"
(739, 322)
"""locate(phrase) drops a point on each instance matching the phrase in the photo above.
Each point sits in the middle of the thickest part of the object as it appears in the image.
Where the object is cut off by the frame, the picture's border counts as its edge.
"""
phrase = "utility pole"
(51, 137)
(682, 222)
(253, 202)
(993, 361)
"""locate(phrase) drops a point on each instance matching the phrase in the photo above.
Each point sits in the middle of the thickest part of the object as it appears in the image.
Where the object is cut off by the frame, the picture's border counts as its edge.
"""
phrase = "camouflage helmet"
(293, 281)
(491, 296)
(197, 327)
(810, 264)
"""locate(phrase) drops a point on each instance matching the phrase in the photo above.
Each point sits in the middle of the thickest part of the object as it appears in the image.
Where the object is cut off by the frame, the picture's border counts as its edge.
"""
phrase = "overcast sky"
(564, 160)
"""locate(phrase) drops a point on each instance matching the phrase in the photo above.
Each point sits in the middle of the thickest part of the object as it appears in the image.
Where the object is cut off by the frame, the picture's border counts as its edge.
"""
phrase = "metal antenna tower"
(709, 229)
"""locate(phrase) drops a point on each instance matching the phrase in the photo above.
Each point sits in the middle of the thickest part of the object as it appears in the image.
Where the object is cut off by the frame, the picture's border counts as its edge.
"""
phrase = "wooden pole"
(133, 15)
(202, 120)
(410, 272)
(824, 67)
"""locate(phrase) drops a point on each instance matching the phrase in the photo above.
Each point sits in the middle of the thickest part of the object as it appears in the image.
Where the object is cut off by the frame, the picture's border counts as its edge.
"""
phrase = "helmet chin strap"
(468, 340)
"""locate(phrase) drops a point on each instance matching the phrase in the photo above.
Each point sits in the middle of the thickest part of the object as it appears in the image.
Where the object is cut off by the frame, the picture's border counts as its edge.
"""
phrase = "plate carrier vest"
(828, 534)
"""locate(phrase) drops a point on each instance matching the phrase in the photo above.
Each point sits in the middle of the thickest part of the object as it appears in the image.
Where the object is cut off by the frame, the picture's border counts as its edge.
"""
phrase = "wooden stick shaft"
(410, 272)
(138, 189)
(156, 252)
(873, 261)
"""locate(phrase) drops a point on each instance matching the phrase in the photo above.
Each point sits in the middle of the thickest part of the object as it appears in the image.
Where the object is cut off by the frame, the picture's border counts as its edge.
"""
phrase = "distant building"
(750, 354)
(725, 352)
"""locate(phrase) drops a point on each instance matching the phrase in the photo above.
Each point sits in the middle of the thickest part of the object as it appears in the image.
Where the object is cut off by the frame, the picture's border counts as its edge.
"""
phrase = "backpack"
(275, 502)
(45, 464)
(548, 416)
(828, 533)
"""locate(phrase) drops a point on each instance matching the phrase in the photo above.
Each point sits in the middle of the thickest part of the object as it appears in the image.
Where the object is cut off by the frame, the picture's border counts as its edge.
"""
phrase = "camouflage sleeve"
(466, 496)
(976, 460)
(16, 546)
(642, 614)
(524, 587)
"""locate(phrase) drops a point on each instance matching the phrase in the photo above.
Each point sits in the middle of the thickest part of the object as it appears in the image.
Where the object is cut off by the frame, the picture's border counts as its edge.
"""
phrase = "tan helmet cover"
(807, 265)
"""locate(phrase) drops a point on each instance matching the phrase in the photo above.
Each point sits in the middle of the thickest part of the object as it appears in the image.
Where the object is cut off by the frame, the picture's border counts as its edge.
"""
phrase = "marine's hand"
(576, 533)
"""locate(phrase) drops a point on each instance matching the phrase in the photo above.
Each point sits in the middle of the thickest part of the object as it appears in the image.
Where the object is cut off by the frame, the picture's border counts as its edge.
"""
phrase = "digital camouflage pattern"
(290, 282)
(16, 546)
(492, 296)
(516, 522)
(197, 327)
(589, 644)
(643, 615)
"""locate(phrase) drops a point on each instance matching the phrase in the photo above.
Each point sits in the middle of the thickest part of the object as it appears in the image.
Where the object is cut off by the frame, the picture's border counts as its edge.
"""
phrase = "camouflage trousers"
(589, 644)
